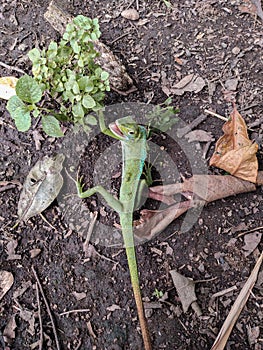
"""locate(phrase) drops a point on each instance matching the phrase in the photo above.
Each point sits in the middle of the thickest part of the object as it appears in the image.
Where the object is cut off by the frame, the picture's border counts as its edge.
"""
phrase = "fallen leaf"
(7, 87)
(199, 135)
(11, 250)
(41, 186)
(253, 334)
(130, 14)
(113, 307)
(236, 309)
(190, 83)
(231, 84)
(199, 190)
(9, 331)
(21, 290)
(253, 7)
(79, 296)
(185, 288)
(34, 252)
(251, 241)
(234, 152)
(6, 282)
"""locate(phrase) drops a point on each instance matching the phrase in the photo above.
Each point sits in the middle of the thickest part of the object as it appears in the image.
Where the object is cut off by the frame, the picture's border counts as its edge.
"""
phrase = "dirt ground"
(222, 45)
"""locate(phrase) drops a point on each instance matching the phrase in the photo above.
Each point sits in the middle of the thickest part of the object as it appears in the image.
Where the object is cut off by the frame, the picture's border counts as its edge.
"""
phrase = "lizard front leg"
(114, 203)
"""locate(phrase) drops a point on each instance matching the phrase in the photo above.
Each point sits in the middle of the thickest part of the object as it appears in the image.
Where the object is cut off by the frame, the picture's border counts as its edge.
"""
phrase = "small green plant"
(158, 293)
(163, 116)
(67, 84)
(167, 4)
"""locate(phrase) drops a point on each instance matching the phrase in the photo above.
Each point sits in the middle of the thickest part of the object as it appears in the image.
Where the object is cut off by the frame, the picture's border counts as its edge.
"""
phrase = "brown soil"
(213, 39)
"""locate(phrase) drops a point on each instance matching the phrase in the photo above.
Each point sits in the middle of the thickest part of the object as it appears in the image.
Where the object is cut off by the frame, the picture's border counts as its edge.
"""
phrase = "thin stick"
(216, 115)
(40, 319)
(93, 218)
(48, 308)
(7, 66)
(249, 231)
(73, 311)
(46, 221)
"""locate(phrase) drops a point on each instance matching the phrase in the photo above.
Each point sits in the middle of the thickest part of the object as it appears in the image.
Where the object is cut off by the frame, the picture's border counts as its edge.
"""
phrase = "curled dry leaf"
(41, 186)
(6, 282)
(7, 87)
(199, 190)
(234, 152)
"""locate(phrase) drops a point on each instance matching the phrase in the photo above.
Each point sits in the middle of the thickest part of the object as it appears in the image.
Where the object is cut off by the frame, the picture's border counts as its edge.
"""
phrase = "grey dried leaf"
(6, 282)
(199, 135)
(41, 186)
(9, 331)
(190, 83)
(251, 240)
(185, 288)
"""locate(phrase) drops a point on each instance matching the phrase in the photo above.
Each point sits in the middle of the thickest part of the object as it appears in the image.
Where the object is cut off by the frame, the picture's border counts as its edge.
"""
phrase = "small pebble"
(235, 50)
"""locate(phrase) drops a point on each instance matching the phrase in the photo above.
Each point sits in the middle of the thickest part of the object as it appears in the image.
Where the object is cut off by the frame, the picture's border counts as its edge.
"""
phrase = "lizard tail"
(132, 263)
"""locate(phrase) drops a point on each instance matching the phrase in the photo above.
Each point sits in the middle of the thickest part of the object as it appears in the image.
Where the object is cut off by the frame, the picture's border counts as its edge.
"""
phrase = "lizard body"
(134, 151)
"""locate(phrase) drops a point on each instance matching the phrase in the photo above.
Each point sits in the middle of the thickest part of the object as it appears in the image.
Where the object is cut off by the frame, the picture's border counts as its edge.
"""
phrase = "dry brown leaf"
(251, 241)
(185, 288)
(130, 14)
(190, 83)
(234, 152)
(41, 186)
(236, 309)
(6, 282)
(253, 7)
(199, 190)
(9, 331)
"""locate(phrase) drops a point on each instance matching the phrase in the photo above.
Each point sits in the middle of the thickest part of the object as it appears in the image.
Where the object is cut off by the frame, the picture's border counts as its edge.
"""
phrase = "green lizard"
(134, 151)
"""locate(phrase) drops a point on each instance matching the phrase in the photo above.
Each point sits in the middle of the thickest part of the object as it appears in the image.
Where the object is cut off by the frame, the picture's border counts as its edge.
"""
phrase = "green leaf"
(13, 103)
(51, 126)
(90, 119)
(88, 101)
(34, 55)
(28, 90)
(20, 112)
(104, 75)
(78, 111)
(22, 119)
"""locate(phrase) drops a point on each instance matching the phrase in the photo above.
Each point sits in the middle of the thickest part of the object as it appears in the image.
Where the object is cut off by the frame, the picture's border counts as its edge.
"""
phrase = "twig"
(73, 311)
(93, 217)
(47, 222)
(48, 308)
(118, 38)
(7, 66)
(237, 307)
(183, 131)
(249, 231)
(216, 115)
(40, 319)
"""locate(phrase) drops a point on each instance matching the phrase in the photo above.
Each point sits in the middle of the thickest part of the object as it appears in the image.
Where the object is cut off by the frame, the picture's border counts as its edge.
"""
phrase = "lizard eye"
(131, 132)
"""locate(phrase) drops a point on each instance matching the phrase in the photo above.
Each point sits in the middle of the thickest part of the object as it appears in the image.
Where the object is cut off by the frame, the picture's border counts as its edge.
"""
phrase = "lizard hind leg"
(114, 203)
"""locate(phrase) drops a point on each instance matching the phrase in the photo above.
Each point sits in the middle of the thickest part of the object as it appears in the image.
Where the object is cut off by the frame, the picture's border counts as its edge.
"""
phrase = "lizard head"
(126, 129)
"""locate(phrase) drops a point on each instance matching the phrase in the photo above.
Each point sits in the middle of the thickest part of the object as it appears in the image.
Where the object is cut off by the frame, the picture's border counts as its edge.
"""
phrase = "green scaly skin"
(134, 151)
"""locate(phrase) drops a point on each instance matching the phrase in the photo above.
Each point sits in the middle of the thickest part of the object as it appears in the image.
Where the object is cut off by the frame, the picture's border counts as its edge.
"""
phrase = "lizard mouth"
(116, 130)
